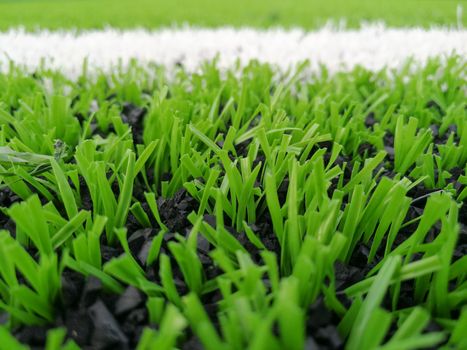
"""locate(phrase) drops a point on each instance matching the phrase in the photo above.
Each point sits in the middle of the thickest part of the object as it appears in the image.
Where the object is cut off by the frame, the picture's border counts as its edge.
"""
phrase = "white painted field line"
(373, 46)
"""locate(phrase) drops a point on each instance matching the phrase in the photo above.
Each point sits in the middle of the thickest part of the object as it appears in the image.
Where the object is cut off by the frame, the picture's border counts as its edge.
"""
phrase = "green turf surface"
(290, 184)
(259, 13)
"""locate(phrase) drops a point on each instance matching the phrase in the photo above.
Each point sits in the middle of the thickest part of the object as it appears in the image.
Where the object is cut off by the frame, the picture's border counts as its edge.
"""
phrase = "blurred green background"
(309, 14)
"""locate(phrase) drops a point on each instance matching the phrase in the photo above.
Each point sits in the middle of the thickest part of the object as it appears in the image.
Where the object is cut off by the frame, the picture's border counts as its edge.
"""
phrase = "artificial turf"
(308, 14)
(231, 210)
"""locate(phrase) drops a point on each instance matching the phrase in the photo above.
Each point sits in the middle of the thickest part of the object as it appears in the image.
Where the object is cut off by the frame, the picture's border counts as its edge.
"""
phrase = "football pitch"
(233, 175)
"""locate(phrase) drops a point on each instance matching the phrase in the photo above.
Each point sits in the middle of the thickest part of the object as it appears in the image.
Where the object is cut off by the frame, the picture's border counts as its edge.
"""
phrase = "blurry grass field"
(55, 14)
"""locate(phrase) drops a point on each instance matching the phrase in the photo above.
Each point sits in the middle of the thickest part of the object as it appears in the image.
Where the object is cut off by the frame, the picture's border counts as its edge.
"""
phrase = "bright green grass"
(258, 13)
(231, 140)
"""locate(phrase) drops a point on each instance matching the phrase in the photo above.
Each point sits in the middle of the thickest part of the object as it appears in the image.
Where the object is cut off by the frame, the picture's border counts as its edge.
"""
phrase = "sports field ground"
(233, 175)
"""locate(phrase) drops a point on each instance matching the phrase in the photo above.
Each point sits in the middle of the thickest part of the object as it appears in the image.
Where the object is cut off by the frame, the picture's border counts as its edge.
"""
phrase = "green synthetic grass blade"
(9, 341)
(65, 191)
(29, 219)
(124, 198)
(201, 324)
(371, 303)
(67, 231)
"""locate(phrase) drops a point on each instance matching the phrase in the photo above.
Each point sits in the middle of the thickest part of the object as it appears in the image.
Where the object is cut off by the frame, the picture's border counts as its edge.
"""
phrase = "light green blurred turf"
(259, 13)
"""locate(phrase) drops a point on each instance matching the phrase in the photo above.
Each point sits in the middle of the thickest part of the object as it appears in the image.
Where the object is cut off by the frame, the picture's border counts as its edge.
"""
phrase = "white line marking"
(373, 46)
